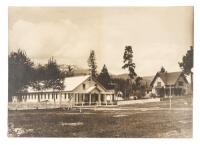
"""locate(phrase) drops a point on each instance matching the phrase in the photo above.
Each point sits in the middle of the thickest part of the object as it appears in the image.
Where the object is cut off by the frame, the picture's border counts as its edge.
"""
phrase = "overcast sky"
(160, 36)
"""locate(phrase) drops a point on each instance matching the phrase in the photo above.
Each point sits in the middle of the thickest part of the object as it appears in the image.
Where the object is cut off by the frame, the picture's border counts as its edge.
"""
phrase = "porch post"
(90, 99)
(79, 98)
(83, 98)
(105, 99)
(99, 99)
(23, 99)
(164, 91)
(60, 99)
(76, 99)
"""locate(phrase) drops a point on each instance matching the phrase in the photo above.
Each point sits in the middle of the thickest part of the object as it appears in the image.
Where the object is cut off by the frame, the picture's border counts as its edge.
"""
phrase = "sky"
(159, 36)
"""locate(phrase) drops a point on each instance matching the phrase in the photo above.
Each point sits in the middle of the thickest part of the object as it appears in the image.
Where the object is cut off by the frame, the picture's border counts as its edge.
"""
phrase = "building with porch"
(170, 83)
(78, 90)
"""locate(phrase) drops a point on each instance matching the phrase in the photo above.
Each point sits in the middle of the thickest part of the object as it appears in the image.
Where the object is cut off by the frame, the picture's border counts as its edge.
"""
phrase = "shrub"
(152, 95)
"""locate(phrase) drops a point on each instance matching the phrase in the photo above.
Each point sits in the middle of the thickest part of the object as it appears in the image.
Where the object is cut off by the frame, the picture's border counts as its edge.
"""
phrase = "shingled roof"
(169, 78)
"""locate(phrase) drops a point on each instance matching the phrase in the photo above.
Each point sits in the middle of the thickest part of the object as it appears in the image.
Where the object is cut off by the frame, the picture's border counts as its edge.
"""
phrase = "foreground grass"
(121, 123)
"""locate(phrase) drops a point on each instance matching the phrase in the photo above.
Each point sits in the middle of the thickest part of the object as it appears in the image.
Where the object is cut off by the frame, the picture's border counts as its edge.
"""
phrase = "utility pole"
(170, 98)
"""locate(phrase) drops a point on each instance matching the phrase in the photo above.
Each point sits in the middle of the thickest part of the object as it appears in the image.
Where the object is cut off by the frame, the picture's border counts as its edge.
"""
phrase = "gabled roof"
(91, 89)
(169, 78)
(71, 83)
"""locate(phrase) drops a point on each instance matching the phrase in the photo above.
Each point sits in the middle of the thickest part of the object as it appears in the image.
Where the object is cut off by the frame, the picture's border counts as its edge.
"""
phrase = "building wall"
(185, 85)
(158, 79)
(40, 97)
(64, 96)
(181, 80)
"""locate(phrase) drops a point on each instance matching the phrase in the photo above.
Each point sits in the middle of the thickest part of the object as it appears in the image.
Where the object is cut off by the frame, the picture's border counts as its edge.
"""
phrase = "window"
(41, 96)
(158, 84)
(180, 83)
(48, 96)
(84, 86)
(65, 95)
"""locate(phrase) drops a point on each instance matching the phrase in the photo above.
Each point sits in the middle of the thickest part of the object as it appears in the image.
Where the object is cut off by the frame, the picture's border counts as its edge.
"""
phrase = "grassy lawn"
(176, 122)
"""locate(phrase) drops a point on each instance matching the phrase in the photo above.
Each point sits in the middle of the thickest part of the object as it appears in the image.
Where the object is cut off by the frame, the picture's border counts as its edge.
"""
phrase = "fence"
(127, 102)
(47, 105)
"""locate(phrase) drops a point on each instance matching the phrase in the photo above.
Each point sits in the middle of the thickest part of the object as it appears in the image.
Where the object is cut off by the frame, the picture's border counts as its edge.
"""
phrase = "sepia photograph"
(100, 72)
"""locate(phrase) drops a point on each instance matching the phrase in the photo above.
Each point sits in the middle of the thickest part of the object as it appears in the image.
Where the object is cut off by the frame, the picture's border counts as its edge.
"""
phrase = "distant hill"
(124, 76)
(83, 71)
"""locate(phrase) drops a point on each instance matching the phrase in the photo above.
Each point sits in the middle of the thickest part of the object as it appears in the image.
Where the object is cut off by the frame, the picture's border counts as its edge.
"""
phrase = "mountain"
(77, 71)
(120, 76)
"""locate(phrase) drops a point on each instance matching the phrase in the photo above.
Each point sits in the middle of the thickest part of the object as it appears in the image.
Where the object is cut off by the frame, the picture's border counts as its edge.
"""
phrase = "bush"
(152, 95)
(139, 94)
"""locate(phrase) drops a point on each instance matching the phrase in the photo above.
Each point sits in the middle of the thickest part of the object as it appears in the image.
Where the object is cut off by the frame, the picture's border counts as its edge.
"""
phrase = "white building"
(78, 90)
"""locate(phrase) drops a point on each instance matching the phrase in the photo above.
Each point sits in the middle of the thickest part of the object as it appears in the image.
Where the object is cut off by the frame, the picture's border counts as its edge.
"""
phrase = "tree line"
(23, 73)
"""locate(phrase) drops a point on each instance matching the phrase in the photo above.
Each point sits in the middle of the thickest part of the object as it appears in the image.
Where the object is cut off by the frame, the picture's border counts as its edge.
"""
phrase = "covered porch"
(93, 99)
(93, 96)
(169, 90)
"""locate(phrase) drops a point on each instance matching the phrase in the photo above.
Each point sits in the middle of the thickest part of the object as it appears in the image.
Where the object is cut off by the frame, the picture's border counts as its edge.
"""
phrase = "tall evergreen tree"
(128, 62)
(187, 64)
(92, 64)
(104, 77)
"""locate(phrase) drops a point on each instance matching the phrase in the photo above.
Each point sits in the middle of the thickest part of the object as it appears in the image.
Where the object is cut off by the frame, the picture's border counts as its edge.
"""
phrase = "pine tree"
(104, 77)
(92, 64)
(128, 62)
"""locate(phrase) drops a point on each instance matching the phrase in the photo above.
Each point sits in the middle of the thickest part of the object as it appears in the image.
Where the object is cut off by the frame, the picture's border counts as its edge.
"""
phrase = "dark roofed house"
(169, 83)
